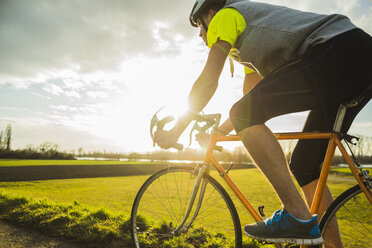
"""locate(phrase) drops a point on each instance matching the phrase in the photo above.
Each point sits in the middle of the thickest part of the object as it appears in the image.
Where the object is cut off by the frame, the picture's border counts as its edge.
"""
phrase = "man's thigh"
(292, 89)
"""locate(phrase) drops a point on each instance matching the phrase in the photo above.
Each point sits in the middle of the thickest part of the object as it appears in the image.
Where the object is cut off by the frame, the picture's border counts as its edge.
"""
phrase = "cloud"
(87, 109)
(85, 36)
(96, 94)
(85, 43)
(58, 91)
(36, 131)
(65, 108)
(53, 89)
(363, 124)
(72, 94)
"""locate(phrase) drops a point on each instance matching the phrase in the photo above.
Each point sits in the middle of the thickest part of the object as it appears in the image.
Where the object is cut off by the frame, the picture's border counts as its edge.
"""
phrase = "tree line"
(46, 150)
(49, 150)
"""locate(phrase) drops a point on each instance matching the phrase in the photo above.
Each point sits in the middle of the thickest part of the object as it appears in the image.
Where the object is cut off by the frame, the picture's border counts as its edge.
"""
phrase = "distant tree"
(8, 137)
(48, 148)
(30, 148)
(133, 156)
(80, 151)
(288, 147)
(240, 154)
(1, 140)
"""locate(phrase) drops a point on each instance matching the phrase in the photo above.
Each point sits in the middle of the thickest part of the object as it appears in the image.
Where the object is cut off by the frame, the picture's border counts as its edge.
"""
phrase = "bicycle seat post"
(339, 118)
(341, 114)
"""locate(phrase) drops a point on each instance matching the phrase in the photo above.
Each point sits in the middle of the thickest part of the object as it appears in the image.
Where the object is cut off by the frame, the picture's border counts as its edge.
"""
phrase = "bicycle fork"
(200, 170)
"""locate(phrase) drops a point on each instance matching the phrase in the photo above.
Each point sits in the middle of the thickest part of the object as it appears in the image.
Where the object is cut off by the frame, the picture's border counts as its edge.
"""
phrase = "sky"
(92, 73)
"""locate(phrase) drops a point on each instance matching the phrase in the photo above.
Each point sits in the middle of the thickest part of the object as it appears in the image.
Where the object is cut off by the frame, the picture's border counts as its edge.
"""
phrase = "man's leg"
(267, 153)
(306, 162)
(294, 224)
(290, 89)
(308, 156)
(332, 237)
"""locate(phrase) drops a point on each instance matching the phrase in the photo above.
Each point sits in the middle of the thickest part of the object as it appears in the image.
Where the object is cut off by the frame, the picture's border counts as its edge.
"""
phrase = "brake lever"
(197, 128)
(203, 129)
(159, 124)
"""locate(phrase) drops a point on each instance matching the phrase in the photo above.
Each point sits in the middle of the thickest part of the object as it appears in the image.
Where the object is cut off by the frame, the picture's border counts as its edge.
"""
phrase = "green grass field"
(116, 194)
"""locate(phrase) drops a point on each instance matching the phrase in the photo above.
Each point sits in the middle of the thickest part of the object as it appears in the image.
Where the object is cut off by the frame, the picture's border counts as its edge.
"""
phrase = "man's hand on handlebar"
(203, 139)
(168, 139)
(165, 139)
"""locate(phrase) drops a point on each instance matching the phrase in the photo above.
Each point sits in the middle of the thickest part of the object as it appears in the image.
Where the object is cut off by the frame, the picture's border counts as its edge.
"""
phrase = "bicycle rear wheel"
(353, 213)
(162, 201)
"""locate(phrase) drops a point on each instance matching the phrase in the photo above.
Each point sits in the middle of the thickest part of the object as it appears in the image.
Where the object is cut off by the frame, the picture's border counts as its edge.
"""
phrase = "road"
(16, 237)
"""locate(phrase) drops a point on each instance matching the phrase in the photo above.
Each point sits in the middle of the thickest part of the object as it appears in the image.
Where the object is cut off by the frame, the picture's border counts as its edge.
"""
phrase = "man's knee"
(239, 119)
(243, 116)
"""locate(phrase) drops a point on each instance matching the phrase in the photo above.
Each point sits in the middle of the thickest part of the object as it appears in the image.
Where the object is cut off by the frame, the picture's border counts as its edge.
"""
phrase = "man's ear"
(211, 13)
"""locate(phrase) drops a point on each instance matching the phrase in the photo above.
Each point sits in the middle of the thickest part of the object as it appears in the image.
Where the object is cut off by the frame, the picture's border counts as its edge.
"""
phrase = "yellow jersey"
(227, 25)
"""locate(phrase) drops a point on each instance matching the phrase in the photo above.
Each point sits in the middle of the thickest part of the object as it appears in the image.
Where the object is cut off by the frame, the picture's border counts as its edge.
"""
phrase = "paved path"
(342, 179)
(16, 237)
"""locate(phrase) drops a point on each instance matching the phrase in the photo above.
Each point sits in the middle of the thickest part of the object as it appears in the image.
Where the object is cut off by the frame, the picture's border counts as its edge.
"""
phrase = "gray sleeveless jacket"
(275, 35)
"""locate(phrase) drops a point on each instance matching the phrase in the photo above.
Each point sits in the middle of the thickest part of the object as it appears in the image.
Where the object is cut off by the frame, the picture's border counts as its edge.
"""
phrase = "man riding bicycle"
(294, 61)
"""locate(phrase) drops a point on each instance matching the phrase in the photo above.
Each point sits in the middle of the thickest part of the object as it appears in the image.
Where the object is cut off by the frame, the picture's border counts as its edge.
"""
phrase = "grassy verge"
(97, 228)
(116, 194)
(29, 162)
(94, 228)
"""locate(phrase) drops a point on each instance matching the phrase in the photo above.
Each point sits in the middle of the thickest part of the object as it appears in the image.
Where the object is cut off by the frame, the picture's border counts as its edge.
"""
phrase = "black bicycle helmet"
(199, 7)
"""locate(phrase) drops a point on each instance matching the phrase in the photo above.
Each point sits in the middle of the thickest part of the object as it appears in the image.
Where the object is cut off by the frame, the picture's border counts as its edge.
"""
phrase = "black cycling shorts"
(325, 76)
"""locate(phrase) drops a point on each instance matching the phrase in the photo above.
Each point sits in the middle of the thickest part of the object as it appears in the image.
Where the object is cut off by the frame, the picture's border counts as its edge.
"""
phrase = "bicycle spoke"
(181, 195)
(186, 201)
(152, 210)
(355, 218)
(211, 205)
(167, 199)
(365, 211)
(161, 201)
(212, 212)
(347, 235)
(168, 196)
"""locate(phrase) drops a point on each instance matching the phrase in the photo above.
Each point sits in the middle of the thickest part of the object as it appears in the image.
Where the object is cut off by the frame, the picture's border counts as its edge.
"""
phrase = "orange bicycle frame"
(334, 142)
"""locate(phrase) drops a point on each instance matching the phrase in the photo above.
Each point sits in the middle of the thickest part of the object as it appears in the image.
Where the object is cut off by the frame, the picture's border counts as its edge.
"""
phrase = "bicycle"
(185, 201)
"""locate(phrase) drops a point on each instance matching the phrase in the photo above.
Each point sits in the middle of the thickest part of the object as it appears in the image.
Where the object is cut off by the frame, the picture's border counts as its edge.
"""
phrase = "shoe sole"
(297, 241)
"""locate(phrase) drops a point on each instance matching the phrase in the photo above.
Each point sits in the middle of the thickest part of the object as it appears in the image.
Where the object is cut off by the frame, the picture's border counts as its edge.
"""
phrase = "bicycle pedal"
(261, 211)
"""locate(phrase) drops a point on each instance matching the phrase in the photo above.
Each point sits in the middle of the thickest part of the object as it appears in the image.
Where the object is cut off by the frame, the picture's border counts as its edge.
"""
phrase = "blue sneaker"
(282, 227)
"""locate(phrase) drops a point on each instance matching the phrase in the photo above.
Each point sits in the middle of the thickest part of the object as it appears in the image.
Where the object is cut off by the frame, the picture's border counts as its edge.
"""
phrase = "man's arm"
(206, 85)
(250, 81)
(201, 93)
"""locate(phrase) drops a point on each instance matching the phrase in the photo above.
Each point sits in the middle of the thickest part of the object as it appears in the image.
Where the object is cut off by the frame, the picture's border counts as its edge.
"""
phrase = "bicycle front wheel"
(163, 200)
(353, 213)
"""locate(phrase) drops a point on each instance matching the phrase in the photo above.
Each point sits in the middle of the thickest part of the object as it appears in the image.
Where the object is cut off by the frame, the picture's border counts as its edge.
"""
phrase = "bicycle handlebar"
(211, 121)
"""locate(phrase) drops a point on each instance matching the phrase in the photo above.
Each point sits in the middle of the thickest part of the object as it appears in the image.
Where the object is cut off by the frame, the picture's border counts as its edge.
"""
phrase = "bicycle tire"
(354, 216)
(142, 233)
